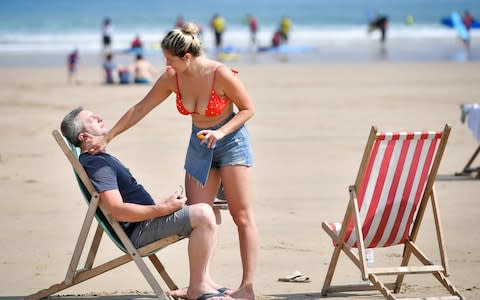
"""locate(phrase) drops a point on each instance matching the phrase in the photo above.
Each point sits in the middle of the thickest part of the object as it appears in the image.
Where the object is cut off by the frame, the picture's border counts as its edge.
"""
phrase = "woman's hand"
(95, 144)
(210, 137)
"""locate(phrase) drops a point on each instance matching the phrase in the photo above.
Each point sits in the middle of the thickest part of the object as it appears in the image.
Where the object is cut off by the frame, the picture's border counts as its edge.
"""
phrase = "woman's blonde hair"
(181, 41)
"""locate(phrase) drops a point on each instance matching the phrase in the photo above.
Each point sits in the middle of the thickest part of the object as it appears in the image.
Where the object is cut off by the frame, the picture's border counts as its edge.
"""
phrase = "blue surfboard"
(134, 51)
(459, 26)
(447, 21)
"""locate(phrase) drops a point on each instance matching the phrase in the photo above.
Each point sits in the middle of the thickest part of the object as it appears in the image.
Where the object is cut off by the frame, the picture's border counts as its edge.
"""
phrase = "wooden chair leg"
(406, 258)
(81, 277)
(161, 270)
(467, 170)
(449, 286)
(331, 269)
(381, 287)
(94, 247)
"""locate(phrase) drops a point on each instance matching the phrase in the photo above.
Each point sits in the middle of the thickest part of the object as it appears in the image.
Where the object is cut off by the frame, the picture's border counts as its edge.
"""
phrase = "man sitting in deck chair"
(143, 218)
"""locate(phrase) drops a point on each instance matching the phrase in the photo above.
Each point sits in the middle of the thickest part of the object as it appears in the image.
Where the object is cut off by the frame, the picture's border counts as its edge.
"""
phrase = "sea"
(37, 32)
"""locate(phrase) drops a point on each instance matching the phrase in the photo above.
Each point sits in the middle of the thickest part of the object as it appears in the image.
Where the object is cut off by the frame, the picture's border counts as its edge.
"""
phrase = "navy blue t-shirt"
(108, 173)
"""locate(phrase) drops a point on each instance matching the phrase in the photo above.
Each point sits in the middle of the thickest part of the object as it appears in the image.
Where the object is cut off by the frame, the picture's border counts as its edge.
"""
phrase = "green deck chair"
(107, 224)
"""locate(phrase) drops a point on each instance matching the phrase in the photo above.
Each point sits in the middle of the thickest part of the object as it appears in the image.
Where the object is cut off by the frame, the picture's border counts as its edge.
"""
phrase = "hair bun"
(190, 28)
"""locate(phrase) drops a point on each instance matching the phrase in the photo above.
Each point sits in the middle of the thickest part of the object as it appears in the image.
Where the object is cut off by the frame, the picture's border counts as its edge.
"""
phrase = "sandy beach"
(308, 136)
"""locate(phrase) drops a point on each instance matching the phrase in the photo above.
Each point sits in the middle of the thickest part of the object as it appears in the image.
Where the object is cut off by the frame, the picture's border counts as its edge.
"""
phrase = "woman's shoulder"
(169, 73)
(224, 74)
(224, 70)
(167, 79)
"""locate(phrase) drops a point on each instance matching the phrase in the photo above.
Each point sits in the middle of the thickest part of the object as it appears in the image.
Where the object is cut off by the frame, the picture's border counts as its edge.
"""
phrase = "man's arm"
(131, 212)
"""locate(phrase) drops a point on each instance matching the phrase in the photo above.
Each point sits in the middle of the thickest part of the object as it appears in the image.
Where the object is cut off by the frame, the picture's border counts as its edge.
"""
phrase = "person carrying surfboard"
(468, 19)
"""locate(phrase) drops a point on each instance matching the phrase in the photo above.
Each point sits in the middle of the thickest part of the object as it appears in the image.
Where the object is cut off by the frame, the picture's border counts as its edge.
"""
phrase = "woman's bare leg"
(237, 182)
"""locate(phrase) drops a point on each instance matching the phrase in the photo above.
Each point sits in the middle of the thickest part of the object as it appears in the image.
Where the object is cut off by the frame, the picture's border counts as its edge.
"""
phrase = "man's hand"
(174, 202)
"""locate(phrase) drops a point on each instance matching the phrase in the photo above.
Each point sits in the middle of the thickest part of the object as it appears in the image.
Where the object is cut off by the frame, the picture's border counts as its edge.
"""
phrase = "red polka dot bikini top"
(216, 104)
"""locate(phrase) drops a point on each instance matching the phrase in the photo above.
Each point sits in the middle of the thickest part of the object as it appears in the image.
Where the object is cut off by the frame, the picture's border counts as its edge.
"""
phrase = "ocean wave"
(236, 36)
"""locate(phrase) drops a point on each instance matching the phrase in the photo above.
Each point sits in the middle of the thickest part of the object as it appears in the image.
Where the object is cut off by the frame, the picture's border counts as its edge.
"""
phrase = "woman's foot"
(246, 293)
(182, 293)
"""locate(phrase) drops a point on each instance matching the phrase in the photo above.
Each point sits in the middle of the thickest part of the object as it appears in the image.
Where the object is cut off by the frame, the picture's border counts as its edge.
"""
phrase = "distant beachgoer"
(409, 20)
(380, 23)
(218, 25)
(136, 43)
(253, 26)
(143, 71)
(109, 67)
(107, 32)
(467, 19)
(285, 27)
(276, 39)
(276, 42)
(179, 22)
(200, 30)
(123, 75)
(72, 65)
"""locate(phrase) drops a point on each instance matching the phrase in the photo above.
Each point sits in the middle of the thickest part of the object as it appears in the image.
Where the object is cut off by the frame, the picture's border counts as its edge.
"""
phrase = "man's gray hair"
(71, 127)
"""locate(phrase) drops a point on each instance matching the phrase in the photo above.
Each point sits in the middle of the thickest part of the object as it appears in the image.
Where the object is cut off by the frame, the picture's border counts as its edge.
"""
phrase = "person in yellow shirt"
(285, 26)
(218, 25)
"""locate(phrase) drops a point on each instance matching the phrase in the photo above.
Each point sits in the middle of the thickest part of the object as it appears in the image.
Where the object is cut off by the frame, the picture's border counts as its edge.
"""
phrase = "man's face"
(93, 124)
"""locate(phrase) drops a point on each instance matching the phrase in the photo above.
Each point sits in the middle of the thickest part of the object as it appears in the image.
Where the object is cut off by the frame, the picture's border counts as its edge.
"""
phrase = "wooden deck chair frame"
(106, 223)
(468, 170)
(410, 247)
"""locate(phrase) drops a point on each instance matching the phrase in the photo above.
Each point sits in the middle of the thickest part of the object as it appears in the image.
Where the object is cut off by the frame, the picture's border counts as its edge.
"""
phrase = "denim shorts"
(152, 230)
(232, 149)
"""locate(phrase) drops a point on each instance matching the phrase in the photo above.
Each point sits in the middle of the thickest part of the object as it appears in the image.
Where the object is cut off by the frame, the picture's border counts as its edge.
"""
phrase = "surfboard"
(134, 51)
(447, 21)
(459, 27)
(228, 56)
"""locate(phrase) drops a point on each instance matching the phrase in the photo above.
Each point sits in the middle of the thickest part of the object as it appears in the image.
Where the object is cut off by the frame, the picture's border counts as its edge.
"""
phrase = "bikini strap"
(176, 80)
(215, 75)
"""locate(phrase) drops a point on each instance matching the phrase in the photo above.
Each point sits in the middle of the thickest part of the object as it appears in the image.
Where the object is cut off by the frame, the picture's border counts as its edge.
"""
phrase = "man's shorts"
(156, 229)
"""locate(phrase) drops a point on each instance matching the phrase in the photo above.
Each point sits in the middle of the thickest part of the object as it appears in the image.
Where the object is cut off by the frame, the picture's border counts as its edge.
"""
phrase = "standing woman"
(219, 149)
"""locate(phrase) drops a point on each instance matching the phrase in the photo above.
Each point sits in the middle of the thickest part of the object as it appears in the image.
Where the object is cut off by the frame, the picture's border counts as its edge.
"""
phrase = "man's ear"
(82, 136)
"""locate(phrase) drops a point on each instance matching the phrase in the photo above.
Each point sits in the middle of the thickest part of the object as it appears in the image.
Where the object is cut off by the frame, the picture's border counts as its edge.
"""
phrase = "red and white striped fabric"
(391, 188)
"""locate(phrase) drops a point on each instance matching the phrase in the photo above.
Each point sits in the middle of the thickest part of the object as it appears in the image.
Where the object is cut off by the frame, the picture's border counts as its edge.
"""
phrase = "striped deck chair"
(386, 208)
(107, 224)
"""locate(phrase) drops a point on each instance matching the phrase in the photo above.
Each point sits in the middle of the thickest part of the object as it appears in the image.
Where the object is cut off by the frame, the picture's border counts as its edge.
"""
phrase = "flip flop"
(295, 277)
(210, 295)
(223, 290)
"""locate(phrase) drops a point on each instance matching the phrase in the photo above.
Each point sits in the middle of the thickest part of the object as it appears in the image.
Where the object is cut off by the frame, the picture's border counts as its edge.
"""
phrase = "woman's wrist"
(223, 131)
(108, 137)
